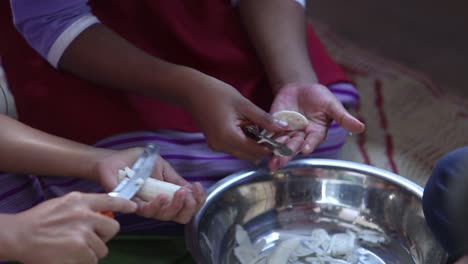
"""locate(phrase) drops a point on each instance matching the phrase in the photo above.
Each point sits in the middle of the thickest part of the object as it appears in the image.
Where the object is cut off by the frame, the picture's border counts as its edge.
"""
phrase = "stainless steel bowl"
(309, 194)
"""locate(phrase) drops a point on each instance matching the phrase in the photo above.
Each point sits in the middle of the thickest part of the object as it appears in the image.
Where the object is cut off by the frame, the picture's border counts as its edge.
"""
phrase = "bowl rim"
(191, 236)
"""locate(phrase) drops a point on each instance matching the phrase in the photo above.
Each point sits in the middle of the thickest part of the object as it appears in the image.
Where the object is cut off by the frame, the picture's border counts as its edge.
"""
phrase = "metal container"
(308, 194)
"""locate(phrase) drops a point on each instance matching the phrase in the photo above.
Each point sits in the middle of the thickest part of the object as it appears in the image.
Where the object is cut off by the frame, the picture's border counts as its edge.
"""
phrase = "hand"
(186, 202)
(66, 230)
(219, 110)
(321, 107)
(462, 260)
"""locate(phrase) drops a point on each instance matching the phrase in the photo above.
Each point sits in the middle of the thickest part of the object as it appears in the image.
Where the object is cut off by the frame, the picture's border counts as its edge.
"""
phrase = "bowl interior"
(336, 196)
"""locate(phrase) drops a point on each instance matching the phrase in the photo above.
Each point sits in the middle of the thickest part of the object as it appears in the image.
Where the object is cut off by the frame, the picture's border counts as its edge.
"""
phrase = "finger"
(294, 141)
(110, 180)
(88, 257)
(263, 119)
(199, 194)
(170, 211)
(170, 175)
(239, 145)
(274, 163)
(187, 211)
(315, 135)
(150, 209)
(295, 144)
(140, 202)
(248, 149)
(105, 202)
(105, 227)
(345, 119)
(97, 245)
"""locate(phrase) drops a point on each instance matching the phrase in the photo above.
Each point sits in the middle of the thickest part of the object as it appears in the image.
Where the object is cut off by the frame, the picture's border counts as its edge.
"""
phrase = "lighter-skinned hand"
(186, 202)
(66, 230)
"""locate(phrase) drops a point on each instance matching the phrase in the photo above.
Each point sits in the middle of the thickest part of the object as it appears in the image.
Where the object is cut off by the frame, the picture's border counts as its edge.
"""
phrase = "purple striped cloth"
(188, 153)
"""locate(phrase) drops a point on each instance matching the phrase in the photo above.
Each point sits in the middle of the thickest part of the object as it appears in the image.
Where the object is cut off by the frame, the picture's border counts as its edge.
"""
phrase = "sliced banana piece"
(296, 121)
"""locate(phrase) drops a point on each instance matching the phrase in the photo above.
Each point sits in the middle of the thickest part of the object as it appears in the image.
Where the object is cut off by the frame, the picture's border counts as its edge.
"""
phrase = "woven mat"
(410, 122)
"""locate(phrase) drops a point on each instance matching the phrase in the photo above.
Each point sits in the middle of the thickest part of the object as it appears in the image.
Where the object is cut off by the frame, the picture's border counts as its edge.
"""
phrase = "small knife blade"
(143, 168)
(277, 148)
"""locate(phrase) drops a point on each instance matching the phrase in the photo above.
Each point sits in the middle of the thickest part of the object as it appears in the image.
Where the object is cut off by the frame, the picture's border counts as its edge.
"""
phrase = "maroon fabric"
(206, 35)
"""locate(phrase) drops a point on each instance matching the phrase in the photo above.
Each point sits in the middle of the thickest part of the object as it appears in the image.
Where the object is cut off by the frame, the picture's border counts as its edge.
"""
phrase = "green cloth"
(130, 249)
(134, 249)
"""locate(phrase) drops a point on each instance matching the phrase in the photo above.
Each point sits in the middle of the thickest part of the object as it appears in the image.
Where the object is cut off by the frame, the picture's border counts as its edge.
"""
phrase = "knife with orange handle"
(143, 168)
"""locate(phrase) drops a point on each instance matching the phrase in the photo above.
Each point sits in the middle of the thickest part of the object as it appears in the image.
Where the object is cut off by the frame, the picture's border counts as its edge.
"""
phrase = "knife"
(143, 168)
(277, 148)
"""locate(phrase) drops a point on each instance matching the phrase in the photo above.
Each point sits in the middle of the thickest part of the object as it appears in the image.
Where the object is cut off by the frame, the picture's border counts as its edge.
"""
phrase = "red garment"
(206, 35)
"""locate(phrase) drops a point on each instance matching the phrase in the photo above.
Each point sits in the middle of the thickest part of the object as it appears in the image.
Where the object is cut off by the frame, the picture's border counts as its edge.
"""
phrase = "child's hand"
(186, 202)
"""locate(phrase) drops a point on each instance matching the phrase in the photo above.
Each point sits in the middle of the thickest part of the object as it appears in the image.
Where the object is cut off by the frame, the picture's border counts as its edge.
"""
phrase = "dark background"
(426, 35)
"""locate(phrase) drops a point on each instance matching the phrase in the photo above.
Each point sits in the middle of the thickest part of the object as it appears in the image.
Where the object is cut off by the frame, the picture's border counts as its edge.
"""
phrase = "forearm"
(71, 38)
(101, 56)
(277, 29)
(27, 150)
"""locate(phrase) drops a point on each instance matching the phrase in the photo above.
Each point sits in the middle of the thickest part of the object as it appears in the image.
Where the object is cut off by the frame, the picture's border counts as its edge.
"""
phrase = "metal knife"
(143, 168)
(277, 148)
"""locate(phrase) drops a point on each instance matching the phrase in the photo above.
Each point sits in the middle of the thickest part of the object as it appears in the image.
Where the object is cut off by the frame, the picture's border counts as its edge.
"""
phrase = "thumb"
(110, 177)
(264, 119)
(345, 119)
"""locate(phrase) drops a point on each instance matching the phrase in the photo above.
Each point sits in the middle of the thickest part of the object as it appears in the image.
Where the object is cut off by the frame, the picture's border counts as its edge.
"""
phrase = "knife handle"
(108, 214)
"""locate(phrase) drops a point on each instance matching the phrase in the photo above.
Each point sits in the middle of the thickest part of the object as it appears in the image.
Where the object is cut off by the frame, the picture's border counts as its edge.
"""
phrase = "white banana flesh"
(152, 188)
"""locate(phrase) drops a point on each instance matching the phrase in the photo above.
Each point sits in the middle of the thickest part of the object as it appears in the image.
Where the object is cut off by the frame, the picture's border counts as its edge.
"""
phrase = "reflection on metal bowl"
(308, 194)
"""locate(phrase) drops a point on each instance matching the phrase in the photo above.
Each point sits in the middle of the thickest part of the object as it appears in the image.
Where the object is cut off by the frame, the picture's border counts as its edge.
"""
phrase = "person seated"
(182, 74)
(40, 230)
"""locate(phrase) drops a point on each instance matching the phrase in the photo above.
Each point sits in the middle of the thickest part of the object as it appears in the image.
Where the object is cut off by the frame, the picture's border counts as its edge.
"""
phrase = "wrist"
(181, 83)
(303, 75)
(89, 167)
(197, 88)
(281, 85)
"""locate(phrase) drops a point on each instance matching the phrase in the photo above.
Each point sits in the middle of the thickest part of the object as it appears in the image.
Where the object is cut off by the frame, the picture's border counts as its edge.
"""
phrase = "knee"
(455, 162)
(450, 168)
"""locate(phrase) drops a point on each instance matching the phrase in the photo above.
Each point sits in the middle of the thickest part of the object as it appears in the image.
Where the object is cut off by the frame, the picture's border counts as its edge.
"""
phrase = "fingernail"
(187, 187)
(281, 122)
(307, 148)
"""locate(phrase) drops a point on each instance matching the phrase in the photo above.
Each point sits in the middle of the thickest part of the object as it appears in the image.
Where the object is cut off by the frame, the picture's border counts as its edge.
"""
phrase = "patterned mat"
(410, 122)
